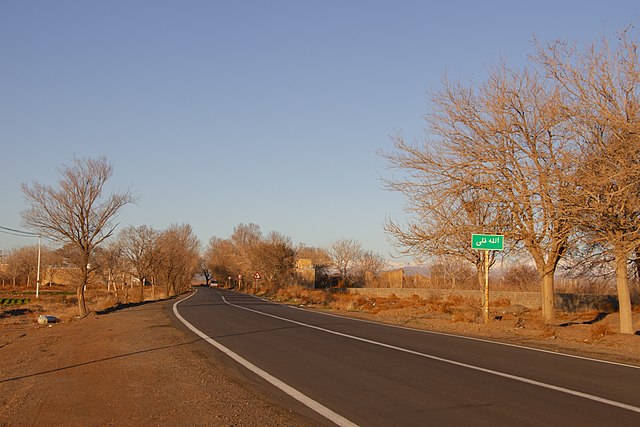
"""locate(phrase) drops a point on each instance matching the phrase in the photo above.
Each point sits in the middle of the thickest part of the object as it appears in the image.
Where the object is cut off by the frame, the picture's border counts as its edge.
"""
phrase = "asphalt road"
(354, 372)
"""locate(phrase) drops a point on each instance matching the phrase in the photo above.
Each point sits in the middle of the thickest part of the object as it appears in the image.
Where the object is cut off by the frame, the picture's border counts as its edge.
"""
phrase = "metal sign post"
(486, 243)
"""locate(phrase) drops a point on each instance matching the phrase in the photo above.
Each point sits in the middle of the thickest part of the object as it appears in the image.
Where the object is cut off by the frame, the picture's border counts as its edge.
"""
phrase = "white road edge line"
(302, 398)
(453, 362)
(464, 337)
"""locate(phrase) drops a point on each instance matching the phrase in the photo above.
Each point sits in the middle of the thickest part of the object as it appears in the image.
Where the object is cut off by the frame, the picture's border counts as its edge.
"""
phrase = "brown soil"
(138, 366)
(130, 367)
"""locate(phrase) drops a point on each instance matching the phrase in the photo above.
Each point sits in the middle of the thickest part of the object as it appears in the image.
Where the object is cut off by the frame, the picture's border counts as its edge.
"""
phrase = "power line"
(22, 233)
(14, 232)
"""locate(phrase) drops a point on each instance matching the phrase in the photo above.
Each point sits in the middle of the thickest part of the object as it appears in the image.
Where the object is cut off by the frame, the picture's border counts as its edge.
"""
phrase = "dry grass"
(500, 302)
(302, 295)
(465, 316)
(455, 300)
(403, 303)
(61, 302)
(599, 330)
(344, 302)
(547, 331)
(417, 301)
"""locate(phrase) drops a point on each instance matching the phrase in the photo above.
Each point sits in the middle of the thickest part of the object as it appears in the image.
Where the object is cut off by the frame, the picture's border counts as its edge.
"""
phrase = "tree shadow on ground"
(123, 306)
(15, 312)
(598, 318)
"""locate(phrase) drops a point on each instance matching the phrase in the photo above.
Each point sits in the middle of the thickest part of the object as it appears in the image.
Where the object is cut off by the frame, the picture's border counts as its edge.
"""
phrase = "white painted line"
(465, 337)
(452, 362)
(304, 399)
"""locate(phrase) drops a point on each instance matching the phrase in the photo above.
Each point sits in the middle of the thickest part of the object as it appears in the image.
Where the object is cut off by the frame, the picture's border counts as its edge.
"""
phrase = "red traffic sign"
(256, 276)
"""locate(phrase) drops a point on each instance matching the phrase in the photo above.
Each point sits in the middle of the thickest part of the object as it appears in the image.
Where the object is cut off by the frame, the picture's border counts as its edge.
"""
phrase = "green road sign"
(487, 242)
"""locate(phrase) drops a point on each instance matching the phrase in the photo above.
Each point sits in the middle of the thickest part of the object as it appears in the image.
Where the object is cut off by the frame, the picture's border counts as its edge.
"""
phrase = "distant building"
(306, 273)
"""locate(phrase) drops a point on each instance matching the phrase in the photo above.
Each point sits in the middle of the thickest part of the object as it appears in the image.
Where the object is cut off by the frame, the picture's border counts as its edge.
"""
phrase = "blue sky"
(217, 113)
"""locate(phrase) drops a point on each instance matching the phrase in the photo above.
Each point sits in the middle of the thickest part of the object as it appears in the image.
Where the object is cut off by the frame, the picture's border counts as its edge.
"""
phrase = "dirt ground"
(138, 366)
(130, 367)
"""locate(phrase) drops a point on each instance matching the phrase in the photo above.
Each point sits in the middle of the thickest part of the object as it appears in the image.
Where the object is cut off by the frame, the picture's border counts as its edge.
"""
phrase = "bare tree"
(138, 248)
(111, 264)
(507, 141)
(452, 272)
(22, 264)
(601, 91)
(76, 211)
(343, 254)
(368, 263)
(221, 260)
(520, 277)
(318, 256)
(178, 251)
(247, 252)
(203, 268)
(244, 238)
(445, 212)
(274, 258)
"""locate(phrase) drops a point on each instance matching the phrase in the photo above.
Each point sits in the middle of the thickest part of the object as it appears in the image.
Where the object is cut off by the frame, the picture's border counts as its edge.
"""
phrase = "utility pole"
(38, 271)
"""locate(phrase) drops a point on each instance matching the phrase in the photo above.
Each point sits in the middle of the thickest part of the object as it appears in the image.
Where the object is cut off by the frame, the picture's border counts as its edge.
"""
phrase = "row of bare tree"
(274, 257)
(548, 155)
(138, 256)
(246, 252)
(76, 214)
(166, 258)
(169, 259)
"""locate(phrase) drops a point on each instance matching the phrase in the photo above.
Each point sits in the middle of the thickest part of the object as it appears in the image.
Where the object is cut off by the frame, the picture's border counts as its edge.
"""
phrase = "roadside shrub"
(500, 302)
(342, 302)
(464, 316)
(404, 303)
(289, 293)
(442, 306)
(315, 296)
(547, 331)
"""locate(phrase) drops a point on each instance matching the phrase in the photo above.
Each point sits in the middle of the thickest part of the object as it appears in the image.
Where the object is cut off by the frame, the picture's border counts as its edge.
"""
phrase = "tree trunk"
(624, 298)
(548, 309)
(636, 261)
(84, 279)
(82, 306)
